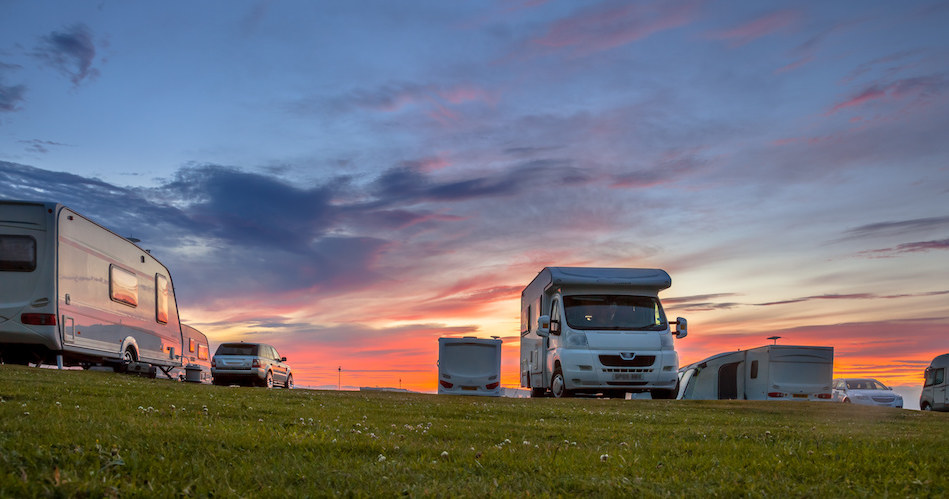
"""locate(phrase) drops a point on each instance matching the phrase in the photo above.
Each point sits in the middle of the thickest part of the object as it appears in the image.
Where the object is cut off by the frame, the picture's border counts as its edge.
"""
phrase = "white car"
(865, 391)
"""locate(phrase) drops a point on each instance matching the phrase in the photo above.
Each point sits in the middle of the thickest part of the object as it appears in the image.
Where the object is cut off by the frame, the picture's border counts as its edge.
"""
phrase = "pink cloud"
(908, 88)
(757, 28)
(596, 30)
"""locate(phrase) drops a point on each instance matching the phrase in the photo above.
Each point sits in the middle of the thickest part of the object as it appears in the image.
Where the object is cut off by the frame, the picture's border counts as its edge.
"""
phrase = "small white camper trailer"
(469, 366)
(598, 330)
(933, 397)
(75, 293)
(773, 372)
(195, 358)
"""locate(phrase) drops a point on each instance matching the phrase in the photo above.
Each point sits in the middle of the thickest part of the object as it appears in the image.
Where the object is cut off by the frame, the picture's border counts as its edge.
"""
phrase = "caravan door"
(728, 381)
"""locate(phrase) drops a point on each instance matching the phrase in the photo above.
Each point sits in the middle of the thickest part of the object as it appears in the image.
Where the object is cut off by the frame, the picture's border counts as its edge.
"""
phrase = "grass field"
(76, 434)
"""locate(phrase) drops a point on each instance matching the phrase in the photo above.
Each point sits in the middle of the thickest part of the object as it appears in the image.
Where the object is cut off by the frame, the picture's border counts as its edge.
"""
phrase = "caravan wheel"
(129, 356)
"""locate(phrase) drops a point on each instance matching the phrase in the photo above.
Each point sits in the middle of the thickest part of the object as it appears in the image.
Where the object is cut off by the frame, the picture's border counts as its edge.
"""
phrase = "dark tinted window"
(613, 312)
(237, 349)
(17, 253)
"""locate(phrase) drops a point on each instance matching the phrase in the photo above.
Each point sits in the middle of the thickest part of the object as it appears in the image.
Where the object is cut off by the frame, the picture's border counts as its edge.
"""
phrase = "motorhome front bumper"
(609, 369)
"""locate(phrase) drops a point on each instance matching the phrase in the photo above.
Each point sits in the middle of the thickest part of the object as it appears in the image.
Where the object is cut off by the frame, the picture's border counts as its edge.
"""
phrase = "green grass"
(93, 434)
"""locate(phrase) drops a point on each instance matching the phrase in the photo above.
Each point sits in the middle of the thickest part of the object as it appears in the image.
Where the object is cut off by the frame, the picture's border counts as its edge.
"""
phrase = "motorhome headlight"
(576, 339)
(665, 339)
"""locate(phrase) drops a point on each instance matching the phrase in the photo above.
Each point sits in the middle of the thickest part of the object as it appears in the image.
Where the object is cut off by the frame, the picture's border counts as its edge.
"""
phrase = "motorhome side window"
(613, 312)
(939, 376)
(17, 253)
(161, 299)
(123, 286)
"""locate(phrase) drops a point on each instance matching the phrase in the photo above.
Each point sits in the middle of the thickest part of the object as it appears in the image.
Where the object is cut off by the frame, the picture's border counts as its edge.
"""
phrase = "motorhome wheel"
(558, 386)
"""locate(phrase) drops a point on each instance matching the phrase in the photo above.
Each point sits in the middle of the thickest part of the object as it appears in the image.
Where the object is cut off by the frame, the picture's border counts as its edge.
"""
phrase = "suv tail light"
(446, 384)
(213, 363)
(255, 363)
(38, 319)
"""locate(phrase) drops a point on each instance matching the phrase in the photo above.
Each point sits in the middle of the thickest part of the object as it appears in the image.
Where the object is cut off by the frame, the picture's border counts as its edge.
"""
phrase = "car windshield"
(613, 312)
(236, 349)
(864, 384)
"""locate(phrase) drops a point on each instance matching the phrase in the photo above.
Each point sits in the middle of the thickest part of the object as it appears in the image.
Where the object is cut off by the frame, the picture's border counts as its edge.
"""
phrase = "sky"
(350, 181)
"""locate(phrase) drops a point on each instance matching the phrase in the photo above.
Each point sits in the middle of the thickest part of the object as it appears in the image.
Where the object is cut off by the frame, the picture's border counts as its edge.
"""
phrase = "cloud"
(898, 227)
(71, 52)
(599, 28)
(40, 146)
(916, 247)
(757, 28)
(10, 97)
(917, 89)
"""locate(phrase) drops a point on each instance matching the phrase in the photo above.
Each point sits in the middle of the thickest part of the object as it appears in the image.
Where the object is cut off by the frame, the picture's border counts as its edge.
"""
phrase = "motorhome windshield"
(613, 312)
(17, 253)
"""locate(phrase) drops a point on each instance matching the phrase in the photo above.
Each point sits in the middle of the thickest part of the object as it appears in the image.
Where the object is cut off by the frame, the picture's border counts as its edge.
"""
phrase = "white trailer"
(469, 366)
(772, 372)
(75, 293)
(598, 330)
(933, 396)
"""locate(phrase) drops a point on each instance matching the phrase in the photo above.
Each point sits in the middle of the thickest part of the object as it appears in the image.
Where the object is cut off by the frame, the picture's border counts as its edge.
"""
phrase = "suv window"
(248, 349)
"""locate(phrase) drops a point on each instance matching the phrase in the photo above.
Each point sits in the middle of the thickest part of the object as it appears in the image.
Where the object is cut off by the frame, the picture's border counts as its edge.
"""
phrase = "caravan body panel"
(469, 366)
(773, 372)
(97, 294)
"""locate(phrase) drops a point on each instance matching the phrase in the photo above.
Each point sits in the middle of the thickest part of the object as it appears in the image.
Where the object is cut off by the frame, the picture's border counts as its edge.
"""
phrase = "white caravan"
(773, 372)
(195, 358)
(75, 293)
(933, 397)
(469, 366)
(597, 330)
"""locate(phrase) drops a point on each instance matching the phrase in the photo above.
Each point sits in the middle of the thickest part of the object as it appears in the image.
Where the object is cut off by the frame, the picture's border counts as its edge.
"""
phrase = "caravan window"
(614, 312)
(123, 286)
(202, 352)
(17, 253)
(161, 299)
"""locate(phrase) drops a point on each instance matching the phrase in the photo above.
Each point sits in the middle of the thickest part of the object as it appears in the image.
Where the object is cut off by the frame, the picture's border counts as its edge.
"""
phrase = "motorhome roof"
(650, 278)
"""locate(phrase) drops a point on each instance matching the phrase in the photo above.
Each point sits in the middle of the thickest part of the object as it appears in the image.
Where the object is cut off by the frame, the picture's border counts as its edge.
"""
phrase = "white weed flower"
(444, 454)
(381, 458)
(604, 457)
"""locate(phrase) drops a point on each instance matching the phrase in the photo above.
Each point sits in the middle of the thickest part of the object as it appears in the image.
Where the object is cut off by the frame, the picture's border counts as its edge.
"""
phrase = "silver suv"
(254, 363)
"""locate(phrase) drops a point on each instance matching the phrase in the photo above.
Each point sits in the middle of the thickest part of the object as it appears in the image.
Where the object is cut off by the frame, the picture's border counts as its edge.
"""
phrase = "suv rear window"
(237, 349)
(18, 253)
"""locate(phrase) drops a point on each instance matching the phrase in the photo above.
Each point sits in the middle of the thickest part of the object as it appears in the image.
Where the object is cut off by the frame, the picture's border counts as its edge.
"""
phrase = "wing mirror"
(543, 326)
(283, 359)
(681, 327)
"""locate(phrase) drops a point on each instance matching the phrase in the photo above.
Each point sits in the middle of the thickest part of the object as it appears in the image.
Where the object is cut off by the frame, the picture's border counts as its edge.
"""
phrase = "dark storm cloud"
(70, 51)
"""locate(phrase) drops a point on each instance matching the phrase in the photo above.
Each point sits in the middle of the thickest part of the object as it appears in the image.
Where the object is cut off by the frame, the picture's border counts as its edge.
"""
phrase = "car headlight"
(576, 339)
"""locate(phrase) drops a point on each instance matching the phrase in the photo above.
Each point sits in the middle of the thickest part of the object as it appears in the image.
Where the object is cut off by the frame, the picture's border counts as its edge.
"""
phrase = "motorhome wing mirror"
(681, 327)
(543, 325)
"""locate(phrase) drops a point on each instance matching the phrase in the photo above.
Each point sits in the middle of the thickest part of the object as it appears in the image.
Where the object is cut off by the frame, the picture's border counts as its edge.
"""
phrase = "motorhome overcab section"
(74, 293)
(598, 330)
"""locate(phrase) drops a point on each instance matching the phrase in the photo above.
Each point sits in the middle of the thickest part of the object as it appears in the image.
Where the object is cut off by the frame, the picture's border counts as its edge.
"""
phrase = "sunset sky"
(352, 180)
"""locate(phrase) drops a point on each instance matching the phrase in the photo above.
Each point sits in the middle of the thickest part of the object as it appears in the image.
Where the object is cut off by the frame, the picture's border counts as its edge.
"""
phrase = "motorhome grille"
(626, 370)
(617, 361)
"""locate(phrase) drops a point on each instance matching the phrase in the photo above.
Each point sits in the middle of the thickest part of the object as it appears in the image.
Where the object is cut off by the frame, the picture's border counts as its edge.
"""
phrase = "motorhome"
(469, 366)
(598, 331)
(772, 372)
(933, 397)
(75, 293)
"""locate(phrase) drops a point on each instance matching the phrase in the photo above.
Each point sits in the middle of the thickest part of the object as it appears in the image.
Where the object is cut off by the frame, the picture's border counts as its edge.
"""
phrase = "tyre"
(558, 387)
(268, 381)
(289, 384)
(926, 407)
(846, 401)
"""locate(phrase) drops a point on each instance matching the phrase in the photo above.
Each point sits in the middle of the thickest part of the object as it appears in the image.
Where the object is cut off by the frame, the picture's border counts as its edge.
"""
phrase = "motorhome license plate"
(627, 376)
